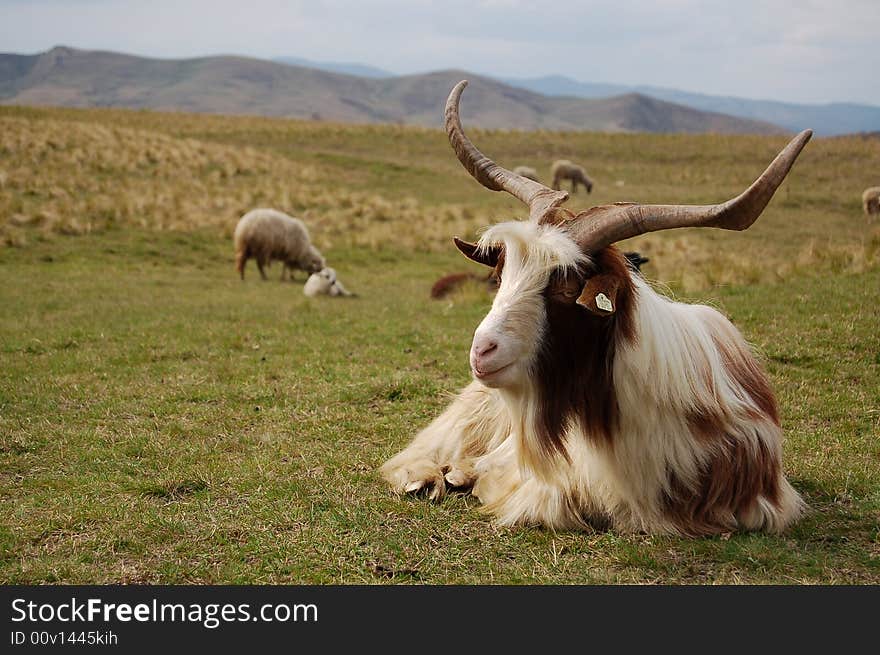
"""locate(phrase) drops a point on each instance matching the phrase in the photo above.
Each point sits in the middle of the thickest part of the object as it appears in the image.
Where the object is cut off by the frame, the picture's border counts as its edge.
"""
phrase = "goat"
(596, 401)
(563, 169)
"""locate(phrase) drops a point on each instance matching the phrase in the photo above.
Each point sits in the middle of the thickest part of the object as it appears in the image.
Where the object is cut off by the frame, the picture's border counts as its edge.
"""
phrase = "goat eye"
(566, 292)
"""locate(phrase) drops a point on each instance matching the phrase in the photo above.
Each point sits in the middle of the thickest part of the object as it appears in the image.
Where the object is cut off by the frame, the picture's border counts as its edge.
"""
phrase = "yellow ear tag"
(602, 302)
(599, 293)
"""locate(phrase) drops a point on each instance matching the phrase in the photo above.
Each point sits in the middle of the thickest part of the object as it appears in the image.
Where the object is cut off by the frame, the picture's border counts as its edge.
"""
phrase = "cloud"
(803, 52)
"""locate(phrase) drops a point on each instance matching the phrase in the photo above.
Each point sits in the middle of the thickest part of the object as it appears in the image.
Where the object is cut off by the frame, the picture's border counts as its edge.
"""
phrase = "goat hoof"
(458, 478)
(415, 475)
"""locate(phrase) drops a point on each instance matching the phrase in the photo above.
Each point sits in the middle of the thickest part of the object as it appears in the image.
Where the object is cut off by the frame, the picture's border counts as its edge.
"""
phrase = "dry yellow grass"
(76, 171)
(688, 263)
(77, 177)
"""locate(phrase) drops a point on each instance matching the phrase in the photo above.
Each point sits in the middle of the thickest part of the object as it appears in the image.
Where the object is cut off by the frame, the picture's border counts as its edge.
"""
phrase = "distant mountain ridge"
(240, 85)
(830, 119)
(826, 120)
(347, 68)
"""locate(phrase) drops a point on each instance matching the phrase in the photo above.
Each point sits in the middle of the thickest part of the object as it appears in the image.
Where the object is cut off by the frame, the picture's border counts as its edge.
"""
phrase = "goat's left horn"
(607, 224)
(539, 198)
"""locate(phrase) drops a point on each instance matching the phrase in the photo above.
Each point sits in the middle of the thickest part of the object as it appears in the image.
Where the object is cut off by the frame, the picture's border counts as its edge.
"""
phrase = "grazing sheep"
(527, 171)
(565, 170)
(597, 402)
(325, 283)
(267, 234)
(871, 200)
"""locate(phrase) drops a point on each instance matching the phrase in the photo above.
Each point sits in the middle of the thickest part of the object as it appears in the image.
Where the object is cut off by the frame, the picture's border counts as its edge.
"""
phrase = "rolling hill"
(826, 119)
(349, 68)
(238, 85)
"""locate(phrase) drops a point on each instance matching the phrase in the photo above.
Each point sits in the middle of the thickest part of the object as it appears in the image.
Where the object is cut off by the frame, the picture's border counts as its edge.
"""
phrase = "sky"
(794, 51)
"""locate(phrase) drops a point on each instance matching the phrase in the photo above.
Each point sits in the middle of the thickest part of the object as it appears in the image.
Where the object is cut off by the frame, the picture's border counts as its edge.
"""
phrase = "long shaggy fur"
(657, 418)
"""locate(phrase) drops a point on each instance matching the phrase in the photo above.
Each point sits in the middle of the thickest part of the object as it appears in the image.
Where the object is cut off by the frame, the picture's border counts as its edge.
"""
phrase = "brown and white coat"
(596, 401)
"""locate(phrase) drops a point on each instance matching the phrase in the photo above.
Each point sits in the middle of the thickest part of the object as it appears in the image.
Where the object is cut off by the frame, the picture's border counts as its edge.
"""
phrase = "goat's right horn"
(540, 199)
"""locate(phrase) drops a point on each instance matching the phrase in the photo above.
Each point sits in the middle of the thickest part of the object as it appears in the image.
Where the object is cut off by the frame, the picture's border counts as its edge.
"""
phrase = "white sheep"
(871, 200)
(563, 169)
(325, 283)
(268, 234)
(527, 171)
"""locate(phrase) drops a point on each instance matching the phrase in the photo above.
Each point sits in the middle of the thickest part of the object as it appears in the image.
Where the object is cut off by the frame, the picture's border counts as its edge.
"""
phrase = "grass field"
(161, 421)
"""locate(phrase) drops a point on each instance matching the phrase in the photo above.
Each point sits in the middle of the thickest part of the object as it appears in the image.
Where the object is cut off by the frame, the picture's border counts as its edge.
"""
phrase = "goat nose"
(484, 347)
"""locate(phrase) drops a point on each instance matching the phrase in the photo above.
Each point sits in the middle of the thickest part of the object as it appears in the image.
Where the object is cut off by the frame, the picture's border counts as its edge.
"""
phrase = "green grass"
(161, 421)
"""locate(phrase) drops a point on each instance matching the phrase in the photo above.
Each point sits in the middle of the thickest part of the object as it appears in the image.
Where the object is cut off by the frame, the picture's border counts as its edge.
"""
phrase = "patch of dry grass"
(688, 263)
(74, 178)
(378, 186)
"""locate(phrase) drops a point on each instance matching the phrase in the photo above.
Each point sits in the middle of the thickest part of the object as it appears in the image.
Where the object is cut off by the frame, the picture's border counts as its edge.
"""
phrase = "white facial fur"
(508, 339)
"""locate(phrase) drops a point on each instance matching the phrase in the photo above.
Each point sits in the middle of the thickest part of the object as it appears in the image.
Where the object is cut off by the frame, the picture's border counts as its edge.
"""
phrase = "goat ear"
(599, 294)
(487, 257)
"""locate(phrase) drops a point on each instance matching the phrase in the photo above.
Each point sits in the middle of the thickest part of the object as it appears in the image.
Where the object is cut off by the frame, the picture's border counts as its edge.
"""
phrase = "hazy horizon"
(755, 50)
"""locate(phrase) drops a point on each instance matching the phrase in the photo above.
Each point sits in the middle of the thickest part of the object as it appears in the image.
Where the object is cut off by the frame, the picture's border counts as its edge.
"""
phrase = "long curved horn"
(601, 226)
(539, 198)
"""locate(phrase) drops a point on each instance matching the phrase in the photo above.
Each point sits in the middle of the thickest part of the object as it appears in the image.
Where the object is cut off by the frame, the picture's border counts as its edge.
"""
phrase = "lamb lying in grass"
(324, 283)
